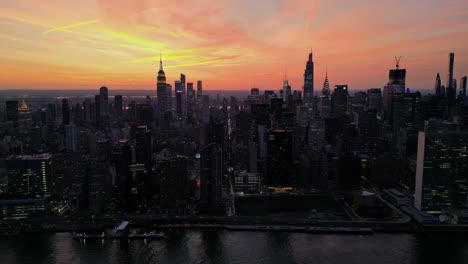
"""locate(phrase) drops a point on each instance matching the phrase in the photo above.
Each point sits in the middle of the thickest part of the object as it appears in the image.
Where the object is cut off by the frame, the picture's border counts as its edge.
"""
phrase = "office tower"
(52, 113)
(205, 108)
(190, 103)
(441, 170)
(173, 178)
(438, 90)
(179, 104)
(12, 112)
(211, 175)
(286, 90)
(403, 110)
(374, 99)
(143, 145)
(24, 115)
(279, 153)
(87, 111)
(162, 90)
(103, 102)
(246, 183)
(396, 85)
(65, 112)
(199, 90)
(122, 160)
(309, 82)
(276, 108)
(88, 186)
(463, 87)
(71, 138)
(451, 90)
(29, 174)
(143, 113)
(339, 101)
(97, 107)
(254, 92)
(326, 86)
(118, 105)
(260, 114)
(177, 86)
(182, 83)
(97, 188)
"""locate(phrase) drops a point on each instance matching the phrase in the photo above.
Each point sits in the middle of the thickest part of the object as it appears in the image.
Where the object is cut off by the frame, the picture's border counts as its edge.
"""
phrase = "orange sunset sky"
(229, 44)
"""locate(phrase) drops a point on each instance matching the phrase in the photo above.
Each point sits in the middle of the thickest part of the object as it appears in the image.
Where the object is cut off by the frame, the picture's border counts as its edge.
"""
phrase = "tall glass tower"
(309, 82)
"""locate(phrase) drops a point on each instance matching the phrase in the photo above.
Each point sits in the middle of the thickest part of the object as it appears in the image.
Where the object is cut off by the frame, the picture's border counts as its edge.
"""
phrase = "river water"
(218, 246)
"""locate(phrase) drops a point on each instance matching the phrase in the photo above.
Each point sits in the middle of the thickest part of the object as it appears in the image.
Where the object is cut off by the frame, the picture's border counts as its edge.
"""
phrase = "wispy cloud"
(74, 25)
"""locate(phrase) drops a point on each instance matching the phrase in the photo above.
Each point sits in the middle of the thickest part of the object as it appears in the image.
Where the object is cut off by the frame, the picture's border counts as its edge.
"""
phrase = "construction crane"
(397, 62)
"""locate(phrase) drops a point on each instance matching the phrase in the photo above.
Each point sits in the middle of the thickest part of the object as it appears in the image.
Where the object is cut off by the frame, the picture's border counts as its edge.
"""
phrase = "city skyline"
(233, 46)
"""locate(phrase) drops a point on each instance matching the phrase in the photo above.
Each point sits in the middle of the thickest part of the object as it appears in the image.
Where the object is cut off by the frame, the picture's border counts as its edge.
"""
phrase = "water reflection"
(215, 246)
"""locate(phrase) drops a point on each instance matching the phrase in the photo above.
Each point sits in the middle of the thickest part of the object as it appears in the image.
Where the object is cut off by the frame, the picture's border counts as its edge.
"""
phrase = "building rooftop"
(44, 156)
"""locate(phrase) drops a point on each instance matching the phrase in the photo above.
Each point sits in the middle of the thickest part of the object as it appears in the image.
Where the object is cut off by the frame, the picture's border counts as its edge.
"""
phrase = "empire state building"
(161, 89)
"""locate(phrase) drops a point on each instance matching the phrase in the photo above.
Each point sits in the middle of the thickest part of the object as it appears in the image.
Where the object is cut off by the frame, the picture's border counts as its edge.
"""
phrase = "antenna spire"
(160, 61)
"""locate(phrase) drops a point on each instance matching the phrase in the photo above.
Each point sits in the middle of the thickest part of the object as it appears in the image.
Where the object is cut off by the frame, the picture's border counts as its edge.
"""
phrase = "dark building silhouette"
(118, 105)
(123, 159)
(280, 171)
(211, 175)
(438, 88)
(374, 99)
(161, 90)
(173, 178)
(179, 104)
(326, 86)
(339, 101)
(441, 169)
(451, 89)
(103, 103)
(65, 112)
(463, 83)
(29, 174)
(12, 112)
(309, 82)
(396, 85)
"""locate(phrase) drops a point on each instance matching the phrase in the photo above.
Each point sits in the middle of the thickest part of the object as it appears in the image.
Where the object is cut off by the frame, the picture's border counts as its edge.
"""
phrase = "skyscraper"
(441, 170)
(463, 87)
(211, 175)
(451, 91)
(339, 102)
(12, 112)
(71, 138)
(161, 89)
(118, 104)
(179, 104)
(326, 86)
(177, 86)
(309, 82)
(122, 160)
(438, 91)
(199, 90)
(65, 112)
(190, 103)
(396, 85)
(29, 174)
(286, 90)
(374, 99)
(280, 160)
(103, 102)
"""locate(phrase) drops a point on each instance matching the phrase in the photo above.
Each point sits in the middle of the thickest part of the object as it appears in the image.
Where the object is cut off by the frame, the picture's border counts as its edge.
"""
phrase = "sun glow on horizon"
(227, 44)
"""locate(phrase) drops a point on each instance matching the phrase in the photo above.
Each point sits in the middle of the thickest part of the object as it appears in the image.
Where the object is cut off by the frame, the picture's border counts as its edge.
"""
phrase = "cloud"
(74, 25)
